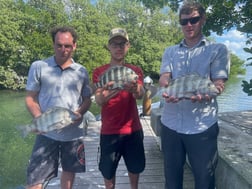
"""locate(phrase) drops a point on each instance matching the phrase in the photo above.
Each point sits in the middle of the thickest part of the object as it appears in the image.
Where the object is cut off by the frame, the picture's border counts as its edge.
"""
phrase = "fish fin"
(23, 130)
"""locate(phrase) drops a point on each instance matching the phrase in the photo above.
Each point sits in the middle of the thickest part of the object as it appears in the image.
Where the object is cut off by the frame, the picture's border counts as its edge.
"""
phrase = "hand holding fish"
(194, 98)
(78, 118)
(109, 85)
(108, 94)
(191, 86)
(131, 86)
(201, 97)
(219, 84)
(136, 89)
(170, 98)
(116, 77)
(55, 118)
(103, 94)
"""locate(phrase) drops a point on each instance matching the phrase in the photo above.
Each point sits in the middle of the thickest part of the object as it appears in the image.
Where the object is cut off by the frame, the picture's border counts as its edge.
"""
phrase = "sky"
(235, 41)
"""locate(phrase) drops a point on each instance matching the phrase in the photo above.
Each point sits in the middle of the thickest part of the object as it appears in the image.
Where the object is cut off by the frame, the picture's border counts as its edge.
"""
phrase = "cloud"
(233, 46)
(234, 34)
(235, 41)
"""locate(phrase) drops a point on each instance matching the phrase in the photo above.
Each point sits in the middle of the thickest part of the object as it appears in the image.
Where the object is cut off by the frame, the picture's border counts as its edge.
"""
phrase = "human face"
(118, 48)
(63, 47)
(191, 25)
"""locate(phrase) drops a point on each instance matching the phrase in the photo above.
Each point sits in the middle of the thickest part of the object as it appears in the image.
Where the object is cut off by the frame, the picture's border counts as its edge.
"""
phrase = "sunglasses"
(192, 20)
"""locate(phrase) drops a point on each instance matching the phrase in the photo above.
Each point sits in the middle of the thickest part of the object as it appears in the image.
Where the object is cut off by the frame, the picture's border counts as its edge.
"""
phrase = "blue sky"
(235, 41)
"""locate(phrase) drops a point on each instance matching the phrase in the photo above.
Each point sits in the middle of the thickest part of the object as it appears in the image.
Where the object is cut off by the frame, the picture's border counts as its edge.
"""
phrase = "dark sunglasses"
(192, 20)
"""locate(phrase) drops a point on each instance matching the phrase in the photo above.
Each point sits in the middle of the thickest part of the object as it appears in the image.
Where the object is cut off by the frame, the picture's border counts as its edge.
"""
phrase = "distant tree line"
(25, 26)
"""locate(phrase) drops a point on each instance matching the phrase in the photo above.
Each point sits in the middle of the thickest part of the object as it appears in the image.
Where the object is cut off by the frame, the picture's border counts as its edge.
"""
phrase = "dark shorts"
(113, 147)
(47, 154)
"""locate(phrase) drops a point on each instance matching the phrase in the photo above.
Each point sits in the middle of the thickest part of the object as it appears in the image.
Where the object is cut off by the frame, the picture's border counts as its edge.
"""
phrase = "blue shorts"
(44, 161)
(113, 147)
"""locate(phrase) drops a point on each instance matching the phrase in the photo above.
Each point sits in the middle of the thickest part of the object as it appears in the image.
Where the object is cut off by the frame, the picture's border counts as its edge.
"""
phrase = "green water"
(14, 150)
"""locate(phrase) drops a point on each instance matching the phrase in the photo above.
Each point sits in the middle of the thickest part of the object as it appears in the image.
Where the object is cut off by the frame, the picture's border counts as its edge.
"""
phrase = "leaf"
(247, 87)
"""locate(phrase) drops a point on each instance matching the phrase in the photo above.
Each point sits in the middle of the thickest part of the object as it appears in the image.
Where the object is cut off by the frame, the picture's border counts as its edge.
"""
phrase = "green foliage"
(25, 33)
(237, 66)
(29, 39)
(247, 87)
(156, 4)
(10, 35)
(10, 79)
(90, 23)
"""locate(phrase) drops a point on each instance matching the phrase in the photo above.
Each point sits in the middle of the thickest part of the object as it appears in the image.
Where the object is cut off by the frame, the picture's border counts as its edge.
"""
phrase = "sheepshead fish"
(190, 85)
(121, 75)
(54, 118)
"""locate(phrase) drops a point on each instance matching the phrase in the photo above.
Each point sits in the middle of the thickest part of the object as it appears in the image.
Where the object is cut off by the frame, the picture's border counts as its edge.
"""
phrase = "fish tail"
(23, 129)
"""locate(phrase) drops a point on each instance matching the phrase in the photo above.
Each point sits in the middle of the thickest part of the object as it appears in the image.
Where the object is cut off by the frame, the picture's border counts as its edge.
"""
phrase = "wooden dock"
(151, 178)
(234, 170)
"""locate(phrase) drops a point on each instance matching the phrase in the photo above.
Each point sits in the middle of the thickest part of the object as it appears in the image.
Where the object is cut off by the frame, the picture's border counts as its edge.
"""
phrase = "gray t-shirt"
(209, 60)
(57, 87)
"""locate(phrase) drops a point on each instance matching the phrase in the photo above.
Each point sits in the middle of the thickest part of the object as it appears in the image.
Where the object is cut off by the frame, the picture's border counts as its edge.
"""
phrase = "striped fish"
(54, 118)
(121, 75)
(188, 86)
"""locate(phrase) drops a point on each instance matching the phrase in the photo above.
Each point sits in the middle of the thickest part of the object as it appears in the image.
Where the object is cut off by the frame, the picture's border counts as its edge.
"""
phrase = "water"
(233, 98)
(15, 151)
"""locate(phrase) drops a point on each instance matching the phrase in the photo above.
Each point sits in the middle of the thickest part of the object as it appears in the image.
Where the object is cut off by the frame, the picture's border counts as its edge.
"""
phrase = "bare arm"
(31, 101)
(136, 89)
(219, 84)
(83, 108)
(138, 92)
(164, 79)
